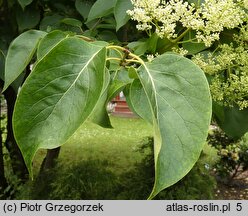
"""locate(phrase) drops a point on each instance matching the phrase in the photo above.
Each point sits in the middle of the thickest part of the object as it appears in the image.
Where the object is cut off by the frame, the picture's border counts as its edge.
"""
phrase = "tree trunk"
(50, 160)
(17, 161)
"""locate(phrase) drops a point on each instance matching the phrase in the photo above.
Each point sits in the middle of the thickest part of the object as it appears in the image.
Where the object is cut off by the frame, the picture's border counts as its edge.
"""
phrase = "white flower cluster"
(150, 58)
(229, 68)
(207, 19)
(207, 63)
(180, 51)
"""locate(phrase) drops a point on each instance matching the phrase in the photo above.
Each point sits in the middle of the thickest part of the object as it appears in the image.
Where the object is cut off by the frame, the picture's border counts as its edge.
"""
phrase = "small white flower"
(150, 57)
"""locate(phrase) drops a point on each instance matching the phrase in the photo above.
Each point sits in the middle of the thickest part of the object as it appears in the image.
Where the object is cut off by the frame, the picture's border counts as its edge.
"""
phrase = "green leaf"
(18, 81)
(49, 42)
(179, 98)
(151, 43)
(163, 44)
(83, 7)
(120, 12)
(58, 96)
(119, 81)
(145, 45)
(138, 101)
(24, 3)
(28, 18)
(100, 115)
(2, 60)
(232, 120)
(101, 8)
(72, 22)
(132, 73)
(20, 53)
(227, 36)
(115, 88)
(100, 43)
(49, 23)
(193, 48)
(107, 36)
(139, 47)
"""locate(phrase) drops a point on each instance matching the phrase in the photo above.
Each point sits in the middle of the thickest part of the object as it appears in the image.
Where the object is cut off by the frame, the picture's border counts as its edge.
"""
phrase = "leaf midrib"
(65, 91)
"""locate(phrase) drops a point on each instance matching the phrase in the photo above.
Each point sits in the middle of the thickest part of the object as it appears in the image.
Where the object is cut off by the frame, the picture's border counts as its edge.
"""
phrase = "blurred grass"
(117, 145)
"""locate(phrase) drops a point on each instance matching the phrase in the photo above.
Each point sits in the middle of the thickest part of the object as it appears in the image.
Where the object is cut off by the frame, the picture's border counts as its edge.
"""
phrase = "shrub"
(197, 184)
(233, 155)
(89, 179)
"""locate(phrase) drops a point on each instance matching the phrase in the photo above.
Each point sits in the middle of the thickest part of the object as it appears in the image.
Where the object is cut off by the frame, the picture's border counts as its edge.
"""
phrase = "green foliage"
(83, 7)
(138, 101)
(101, 8)
(57, 85)
(120, 13)
(2, 62)
(28, 18)
(212, 41)
(190, 46)
(228, 67)
(100, 115)
(14, 183)
(197, 184)
(76, 74)
(166, 88)
(233, 155)
(72, 22)
(115, 87)
(20, 54)
(232, 120)
(86, 180)
(24, 3)
(49, 42)
(97, 179)
(92, 180)
(75, 59)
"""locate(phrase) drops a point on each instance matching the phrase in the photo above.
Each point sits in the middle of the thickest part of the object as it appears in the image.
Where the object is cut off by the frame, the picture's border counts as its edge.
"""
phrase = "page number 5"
(239, 207)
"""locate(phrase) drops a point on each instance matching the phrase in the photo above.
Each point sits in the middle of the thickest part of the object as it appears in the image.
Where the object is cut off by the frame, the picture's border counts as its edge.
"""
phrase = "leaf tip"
(28, 161)
(153, 193)
(5, 87)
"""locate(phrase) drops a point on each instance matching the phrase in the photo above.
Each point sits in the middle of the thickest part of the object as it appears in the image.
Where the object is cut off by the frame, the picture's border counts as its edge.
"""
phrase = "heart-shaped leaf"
(58, 96)
(180, 103)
